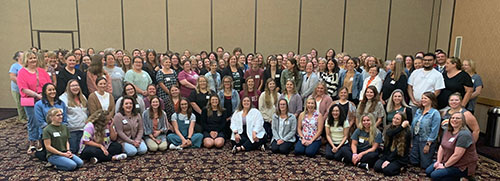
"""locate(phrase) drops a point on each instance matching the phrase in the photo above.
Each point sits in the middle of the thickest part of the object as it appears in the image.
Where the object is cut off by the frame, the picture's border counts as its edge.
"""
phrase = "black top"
(452, 85)
(228, 105)
(393, 156)
(151, 71)
(214, 122)
(237, 76)
(64, 76)
(203, 71)
(389, 85)
(267, 75)
(201, 100)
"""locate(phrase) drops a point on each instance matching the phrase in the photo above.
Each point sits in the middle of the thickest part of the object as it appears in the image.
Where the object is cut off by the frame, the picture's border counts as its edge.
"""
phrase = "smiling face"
(126, 60)
(130, 90)
(366, 122)
(309, 67)
(343, 94)
(350, 64)
(151, 90)
(110, 60)
(128, 105)
(74, 87)
(71, 62)
(57, 117)
(167, 63)
(449, 66)
(232, 61)
(151, 57)
(283, 106)
(202, 81)
(320, 89)
(32, 61)
(246, 103)
(174, 91)
(86, 60)
(155, 103)
(310, 105)
(369, 94)
(51, 91)
(290, 87)
(184, 105)
(101, 85)
(271, 85)
(456, 120)
(425, 101)
(397, 97)
(227, 83)
(336, 112)
(417, 63)
(214, 101)
(373, 71)
(397, 120)
(137, 64)
(454, 101)
(187, 66)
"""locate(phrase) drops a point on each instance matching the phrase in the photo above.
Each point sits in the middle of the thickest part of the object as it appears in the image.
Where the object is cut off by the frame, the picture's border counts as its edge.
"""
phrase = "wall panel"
(277, 26)
(100, 25)
(410, 27)
(54, 15)
(366, 27)
(321, 26)
(189, 25)
(445, 18)
(54, 41)
(234, 26)
(145, 24)
(15, 36)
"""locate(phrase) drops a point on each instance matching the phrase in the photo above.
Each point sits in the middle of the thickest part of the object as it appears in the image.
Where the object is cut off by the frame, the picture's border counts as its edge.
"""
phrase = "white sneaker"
(173, 147)
(120, 156)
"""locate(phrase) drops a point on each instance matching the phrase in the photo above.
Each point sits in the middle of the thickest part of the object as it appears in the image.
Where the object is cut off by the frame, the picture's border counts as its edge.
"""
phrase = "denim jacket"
(357, 83)
(235, 98)
(42, 107)
(429, 125)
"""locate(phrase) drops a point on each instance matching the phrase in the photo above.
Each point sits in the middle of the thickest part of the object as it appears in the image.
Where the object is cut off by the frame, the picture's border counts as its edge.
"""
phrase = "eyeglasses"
(428, 59)
(59, 115)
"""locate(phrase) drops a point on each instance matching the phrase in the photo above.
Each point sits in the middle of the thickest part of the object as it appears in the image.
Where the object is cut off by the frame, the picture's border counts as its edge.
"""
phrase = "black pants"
(246, 143)
(330, 155)
(394, 168)
(369, 158)
(88, 152)
(283, 148)
(269, 131)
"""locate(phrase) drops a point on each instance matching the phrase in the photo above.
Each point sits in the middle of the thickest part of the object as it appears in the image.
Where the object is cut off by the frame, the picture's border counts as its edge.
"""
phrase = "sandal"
(31, 150)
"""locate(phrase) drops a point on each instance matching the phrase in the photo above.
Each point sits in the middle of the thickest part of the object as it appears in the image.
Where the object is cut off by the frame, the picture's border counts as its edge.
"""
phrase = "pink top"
(310, 126)
(27, 80)
(191, 77)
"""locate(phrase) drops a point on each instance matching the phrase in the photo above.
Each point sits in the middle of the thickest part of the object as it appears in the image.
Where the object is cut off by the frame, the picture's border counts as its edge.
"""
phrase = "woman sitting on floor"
(310, 125)
(363, 151)
(284, 127)
(183, 123)
(247, 127)
(56, 140)
(98, 140)
(156, 126)
(337, 131)
(213, 122)
(397, 141)
(130, 128)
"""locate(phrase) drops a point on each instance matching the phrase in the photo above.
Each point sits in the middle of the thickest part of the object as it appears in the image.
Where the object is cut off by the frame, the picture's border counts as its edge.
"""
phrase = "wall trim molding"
(488, 101)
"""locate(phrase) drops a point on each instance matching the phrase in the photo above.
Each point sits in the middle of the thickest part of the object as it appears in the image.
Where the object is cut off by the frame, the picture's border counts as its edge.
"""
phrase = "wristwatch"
(188, 138)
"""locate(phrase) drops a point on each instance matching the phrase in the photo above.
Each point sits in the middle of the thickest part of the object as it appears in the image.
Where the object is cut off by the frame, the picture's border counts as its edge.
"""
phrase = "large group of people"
(110, 105)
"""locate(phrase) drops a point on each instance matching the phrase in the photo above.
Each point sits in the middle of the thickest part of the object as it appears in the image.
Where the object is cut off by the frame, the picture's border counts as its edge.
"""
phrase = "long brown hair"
(159, 111)
(71, 96)
(267, 98)
(189, 109)
(374, 100)
(399, 140)
(99, 119)
(209, 106)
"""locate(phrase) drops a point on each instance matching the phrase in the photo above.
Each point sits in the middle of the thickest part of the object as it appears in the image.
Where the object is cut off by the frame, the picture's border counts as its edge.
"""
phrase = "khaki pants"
(21, 115)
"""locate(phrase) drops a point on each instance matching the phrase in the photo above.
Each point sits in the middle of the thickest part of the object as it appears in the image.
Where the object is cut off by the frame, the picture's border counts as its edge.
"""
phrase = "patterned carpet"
(196, 164)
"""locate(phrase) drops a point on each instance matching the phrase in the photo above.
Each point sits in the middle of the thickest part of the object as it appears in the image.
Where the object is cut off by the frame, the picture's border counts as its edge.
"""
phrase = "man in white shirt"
(426, 79)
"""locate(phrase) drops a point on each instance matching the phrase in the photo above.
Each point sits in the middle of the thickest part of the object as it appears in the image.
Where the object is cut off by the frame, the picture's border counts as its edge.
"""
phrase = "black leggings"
(88, 152)
(246, 143)
(369, 158)
(283, 148)
(394, 168)
(330, 155)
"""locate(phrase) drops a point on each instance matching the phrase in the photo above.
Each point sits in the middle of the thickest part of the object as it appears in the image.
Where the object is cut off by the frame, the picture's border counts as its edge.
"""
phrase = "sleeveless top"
(446, 118)
(310, 126)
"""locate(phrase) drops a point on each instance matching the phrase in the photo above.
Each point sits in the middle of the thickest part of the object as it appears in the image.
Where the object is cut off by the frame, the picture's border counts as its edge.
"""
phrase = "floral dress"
(310, 126)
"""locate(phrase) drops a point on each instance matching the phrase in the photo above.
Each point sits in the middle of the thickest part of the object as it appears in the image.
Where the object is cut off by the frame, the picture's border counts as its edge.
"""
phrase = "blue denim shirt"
(42, 107)
(235, 98)
(357, 83)
(213, 84)
(429, 125)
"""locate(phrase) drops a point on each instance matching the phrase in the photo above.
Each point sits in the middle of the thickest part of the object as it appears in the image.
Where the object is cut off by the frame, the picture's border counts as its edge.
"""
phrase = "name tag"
(56, 134)
(361, 140)
(451, 139)
(339, 129)
(186, 122)
(393, 82)
(473, 81)
(168, 79)
(117, 73)
(277, 75)
(195, 76)
(351, 79)
(257, 76)
(57, 72)
(124, 121)
(144, 75)
(79, 78)
(287, 122)
(137, 106)
(208, 97)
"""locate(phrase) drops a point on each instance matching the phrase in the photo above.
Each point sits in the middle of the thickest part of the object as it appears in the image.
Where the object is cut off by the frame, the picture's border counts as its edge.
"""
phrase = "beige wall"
(265, 26)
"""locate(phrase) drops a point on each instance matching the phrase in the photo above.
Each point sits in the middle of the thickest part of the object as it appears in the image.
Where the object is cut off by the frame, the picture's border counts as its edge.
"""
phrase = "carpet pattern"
(197, 164)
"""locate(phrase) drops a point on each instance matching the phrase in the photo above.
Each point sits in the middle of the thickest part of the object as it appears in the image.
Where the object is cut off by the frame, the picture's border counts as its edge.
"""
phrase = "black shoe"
(364, 166)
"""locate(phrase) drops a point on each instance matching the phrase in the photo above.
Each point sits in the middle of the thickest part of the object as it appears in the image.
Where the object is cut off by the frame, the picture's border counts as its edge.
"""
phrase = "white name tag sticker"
(168, 79)
(287, 122)
(79, 78)
(393, 82)
(144, 75)
(351, 79)
(208, 97)
(56, 134)
(277, 76)
(451, 139)
(137, 106)
(361, 140)
(124, 121)
(186, 122)
(257, 76)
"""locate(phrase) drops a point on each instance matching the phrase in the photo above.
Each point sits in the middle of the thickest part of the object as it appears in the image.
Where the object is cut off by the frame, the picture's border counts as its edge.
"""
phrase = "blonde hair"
(320, 83)
(71, 96)
(52, 112)
(27, 54)
(99, 119)
(305, 105)
(198, 84)
(472, 65)
(373, 130)
(399, 69)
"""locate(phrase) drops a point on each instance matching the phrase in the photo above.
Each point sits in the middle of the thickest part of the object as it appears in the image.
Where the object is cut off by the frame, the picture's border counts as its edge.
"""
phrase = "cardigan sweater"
(93, 104)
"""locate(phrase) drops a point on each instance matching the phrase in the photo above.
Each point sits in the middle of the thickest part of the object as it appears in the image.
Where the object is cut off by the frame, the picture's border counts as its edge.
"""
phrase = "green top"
(58, 136)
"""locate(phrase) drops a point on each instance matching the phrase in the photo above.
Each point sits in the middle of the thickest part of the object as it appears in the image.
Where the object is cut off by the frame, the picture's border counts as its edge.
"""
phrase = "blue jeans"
(449, 173)
(131, 150)
(34, 130)
(417, 155)
(196, 139)
(64, 163)
(74, 141)
(310, 150)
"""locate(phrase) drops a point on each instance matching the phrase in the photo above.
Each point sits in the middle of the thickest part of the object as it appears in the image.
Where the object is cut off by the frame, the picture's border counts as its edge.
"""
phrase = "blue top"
(43, 106)
(357, 83)
(429, 125)
(14, 68)
(477, 82)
